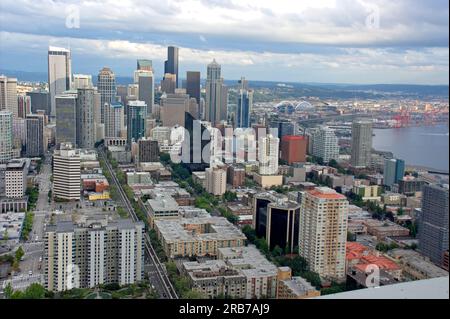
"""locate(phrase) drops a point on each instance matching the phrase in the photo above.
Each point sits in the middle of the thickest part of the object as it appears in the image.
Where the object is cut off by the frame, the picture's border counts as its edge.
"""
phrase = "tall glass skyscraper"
(171, 64)
(59, 74)
(66, 118)
(136, 114)
(394, 170)
(193, 85)
(244, 105)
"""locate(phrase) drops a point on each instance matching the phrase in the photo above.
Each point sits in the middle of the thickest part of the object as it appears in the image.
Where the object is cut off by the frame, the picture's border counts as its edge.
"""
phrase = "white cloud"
(331, 22)
(424, 60)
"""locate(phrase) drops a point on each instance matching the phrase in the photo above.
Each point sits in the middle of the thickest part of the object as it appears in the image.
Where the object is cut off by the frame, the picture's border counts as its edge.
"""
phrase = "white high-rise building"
(8, 95)
(323, 232)
(114, 120)
(6, 136)
(94, 252)
(66, 173)
(268, 155)
(216, 181)
(324, 144)
(361, 143)
(82, 81)
(59, 74)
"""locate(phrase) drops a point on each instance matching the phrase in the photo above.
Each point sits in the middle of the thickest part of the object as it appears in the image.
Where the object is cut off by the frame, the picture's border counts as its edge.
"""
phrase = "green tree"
(8, 291)
(277, 251)
(34, 291)
(250, 233)
(193, 294)
(19, 253)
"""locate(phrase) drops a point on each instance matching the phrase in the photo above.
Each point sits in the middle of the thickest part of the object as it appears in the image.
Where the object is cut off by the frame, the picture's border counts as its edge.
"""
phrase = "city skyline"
(371, 43)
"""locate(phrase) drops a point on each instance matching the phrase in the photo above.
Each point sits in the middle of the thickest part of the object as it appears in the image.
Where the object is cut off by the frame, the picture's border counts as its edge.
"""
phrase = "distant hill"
(321, 90)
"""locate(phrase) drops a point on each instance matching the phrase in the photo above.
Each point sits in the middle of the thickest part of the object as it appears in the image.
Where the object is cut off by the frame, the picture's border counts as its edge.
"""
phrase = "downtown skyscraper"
(244, 106)
(85, 125)
(193, 85)
(35, 142)
(6, 136)
(136, 114)
(106, 86)
(171, 64)
(433, 222)
(59, 74)
(361, 143)
(8, 95)
(216, 94)
(146, 87)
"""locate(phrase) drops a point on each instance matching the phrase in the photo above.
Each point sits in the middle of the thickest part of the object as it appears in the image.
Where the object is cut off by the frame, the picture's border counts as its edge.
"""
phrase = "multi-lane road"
(155, 269)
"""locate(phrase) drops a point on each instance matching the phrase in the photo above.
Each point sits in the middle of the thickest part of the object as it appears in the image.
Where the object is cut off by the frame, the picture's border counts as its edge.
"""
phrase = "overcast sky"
(331, 41)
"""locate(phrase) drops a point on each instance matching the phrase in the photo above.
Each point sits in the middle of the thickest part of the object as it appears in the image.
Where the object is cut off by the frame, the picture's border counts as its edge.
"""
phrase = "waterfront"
(426, 146)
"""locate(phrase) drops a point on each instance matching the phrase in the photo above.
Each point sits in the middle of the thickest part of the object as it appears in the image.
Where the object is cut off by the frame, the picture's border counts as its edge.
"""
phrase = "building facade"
(268, 155)
(59, 74)
(244, 106)
(433, 223)
(92, 254)
(136, 114)
(6, 136)
(323, 232)
(216, 95)
(361, 143)
(66, 173)
(216, 181)
(293, 149)
(106, 86)
(35, 141)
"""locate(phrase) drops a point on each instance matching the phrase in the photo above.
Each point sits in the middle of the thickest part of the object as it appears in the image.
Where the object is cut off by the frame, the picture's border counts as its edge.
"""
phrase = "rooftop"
(250, 260)
(210, 228)
(325, 193)
(436, 288)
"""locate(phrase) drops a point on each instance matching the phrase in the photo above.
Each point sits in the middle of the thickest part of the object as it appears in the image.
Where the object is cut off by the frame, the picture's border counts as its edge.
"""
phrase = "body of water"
(426, 146)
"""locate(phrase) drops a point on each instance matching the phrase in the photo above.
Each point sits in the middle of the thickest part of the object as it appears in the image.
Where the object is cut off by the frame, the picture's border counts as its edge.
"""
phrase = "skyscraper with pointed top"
(216, 94)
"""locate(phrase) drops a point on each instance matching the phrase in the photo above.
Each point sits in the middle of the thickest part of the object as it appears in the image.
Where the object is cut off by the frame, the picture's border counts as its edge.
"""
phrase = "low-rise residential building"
(415, 266)
(368, 193)
(383, 229)
(393, 199)
(289, 287)
(199, 178)
(214, 278)
(260, 274)
(363, 258)
(244, 213)
(197, 236)
(162, 207)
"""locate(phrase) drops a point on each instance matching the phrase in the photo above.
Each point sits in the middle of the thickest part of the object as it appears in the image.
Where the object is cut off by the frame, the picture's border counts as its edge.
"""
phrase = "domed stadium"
(285, 107)
(302, 106)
